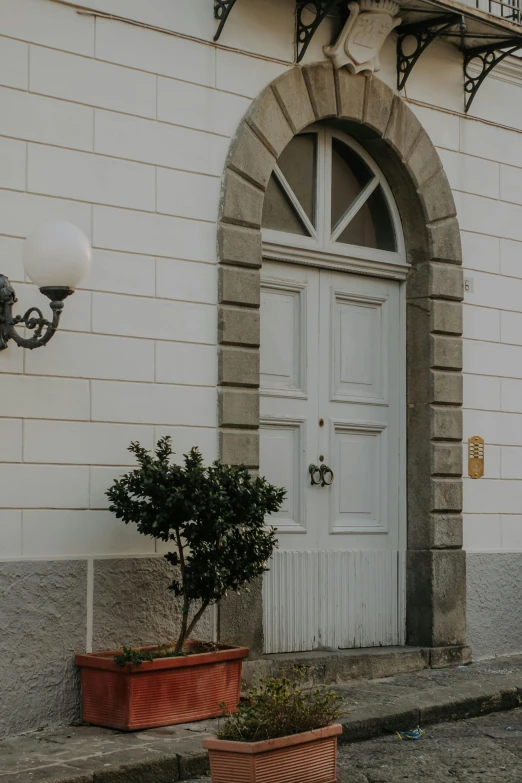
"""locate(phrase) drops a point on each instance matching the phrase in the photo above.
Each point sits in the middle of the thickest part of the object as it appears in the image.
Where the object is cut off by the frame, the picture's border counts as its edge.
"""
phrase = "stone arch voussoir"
(391, 132)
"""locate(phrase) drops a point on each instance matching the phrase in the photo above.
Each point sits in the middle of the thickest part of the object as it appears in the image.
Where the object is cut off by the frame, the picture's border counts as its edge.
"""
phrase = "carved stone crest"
(359, 44)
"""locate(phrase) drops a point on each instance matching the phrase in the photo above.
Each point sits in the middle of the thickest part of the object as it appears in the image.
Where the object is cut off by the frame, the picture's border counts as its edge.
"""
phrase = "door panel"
(282, 456)
(289, 409)
(330, 396)
(283, 335)
(360, 334)
(358, 602)
(360, 498)
(358, 365)
(291, 605)
(333, 599)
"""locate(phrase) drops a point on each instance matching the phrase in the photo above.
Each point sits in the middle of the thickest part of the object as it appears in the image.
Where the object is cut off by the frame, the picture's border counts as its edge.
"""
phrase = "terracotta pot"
(159, 692)
(302, 758)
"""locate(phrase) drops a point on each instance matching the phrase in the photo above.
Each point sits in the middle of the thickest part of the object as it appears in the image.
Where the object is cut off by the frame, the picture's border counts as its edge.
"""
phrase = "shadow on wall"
(494, 603)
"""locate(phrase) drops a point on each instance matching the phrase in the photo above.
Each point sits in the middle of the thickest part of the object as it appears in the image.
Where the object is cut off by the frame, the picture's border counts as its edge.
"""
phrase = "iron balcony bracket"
(488, 57)
(424, 33)
(306, 31)
(222, 9)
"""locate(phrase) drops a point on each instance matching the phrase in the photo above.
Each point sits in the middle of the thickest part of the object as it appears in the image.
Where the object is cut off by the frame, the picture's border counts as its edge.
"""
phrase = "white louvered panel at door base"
(333, 599)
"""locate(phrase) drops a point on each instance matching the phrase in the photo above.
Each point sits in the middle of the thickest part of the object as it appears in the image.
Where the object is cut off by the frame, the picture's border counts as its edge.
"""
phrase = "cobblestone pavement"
(487, 749)
(479, 750)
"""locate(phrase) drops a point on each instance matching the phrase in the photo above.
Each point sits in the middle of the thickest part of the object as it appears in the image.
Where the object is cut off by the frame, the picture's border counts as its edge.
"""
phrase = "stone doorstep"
(343, 666)
(87, 754)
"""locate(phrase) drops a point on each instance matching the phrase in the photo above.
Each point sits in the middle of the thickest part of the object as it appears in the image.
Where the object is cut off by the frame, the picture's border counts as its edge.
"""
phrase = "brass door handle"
(322, 476)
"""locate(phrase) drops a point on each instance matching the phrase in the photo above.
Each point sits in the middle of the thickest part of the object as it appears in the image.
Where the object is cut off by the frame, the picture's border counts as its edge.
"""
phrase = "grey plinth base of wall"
(91, 755)
(43, 624)
(494, 600)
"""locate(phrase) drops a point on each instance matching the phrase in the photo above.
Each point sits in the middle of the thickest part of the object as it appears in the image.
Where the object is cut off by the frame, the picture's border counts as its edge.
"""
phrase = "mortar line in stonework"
(90, 604)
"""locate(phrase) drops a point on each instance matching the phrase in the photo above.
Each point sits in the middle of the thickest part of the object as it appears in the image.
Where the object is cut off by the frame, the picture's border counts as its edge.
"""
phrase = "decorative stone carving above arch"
(383, 123)
(369, 24)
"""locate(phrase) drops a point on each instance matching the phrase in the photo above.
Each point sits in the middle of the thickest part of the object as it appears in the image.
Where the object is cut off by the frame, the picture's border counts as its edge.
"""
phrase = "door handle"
(315, 475)
(326, 471)
(322, 476)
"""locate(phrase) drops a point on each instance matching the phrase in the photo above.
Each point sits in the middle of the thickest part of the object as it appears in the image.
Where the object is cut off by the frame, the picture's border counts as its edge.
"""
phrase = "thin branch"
(181, 555)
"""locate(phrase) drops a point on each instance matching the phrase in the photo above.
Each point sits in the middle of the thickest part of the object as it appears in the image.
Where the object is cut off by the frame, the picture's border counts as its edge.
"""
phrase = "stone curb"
(161, 769)
(435, 705)
(432, 706)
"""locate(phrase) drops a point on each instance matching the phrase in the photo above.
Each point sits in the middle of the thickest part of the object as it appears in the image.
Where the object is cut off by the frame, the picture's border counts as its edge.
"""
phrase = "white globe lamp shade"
(57, 255)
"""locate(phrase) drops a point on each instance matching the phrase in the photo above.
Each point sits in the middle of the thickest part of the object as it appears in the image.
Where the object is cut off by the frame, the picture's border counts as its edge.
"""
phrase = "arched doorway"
(385, 128)
(332, 426)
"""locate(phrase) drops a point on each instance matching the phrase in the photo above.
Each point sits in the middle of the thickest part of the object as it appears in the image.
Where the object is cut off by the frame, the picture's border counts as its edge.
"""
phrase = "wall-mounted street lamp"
(57, 256)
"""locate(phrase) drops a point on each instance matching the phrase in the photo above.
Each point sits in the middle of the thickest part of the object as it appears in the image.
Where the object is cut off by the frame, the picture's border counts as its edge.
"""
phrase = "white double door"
(331, 419)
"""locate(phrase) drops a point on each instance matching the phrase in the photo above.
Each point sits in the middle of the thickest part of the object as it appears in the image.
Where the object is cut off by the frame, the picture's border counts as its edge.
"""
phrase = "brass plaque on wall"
(476, 457)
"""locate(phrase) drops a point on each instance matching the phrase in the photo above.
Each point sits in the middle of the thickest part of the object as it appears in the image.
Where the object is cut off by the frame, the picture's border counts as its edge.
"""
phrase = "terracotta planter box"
(302, 758)
(159, 692)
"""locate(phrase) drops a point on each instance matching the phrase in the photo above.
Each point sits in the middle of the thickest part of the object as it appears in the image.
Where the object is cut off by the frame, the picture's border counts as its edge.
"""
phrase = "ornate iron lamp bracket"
(33, 319)
(222, 9)
(489, 57)
(424, 33)
(306, 31)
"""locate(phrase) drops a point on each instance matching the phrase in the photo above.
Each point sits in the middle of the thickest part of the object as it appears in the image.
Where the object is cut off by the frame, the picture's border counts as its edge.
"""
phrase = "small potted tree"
(214, 518)
(281, 731)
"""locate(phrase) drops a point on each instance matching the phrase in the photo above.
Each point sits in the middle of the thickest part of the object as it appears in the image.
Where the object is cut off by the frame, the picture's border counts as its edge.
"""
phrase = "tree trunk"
(183, 632)
(186, 604)
(196, 619)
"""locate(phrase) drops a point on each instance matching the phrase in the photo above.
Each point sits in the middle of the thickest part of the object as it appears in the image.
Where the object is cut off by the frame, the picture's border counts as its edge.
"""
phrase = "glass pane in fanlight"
(278, 211)
(372, 226)
(298, 164)
(349, 176)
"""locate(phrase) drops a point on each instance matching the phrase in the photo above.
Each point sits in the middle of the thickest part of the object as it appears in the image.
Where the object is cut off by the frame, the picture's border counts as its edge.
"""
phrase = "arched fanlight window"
(327, 194)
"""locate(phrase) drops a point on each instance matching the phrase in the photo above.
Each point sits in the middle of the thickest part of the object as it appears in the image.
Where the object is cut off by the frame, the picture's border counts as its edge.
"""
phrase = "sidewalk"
(85, 754)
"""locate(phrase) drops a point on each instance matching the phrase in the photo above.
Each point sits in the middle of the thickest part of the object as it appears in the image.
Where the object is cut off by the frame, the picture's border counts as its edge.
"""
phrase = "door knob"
(327, 476)
(322, 475)
(315, 475)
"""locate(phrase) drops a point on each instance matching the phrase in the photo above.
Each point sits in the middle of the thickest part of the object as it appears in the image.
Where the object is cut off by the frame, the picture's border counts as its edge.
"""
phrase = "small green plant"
(213, 517)
(132, 656)
(279, 707)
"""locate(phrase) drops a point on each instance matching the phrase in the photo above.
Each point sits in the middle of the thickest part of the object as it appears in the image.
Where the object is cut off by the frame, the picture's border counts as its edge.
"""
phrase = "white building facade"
(295, 267)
